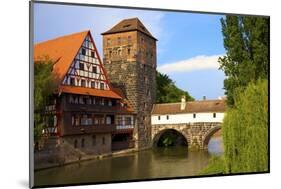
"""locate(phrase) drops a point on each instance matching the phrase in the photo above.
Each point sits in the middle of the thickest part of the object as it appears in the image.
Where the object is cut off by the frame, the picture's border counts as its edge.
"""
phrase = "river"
(149, 164)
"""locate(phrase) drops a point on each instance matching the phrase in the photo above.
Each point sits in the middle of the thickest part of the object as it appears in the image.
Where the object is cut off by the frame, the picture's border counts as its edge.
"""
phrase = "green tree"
(245, 133)
(167, 91)
(246, 40)
(245, 130)
(44, 86)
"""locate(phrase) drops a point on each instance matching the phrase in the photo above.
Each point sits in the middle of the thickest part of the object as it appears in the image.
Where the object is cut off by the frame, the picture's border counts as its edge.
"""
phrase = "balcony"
(119, 127)
(50, 131)
(90, 107)
(124, 128)
(89, 129)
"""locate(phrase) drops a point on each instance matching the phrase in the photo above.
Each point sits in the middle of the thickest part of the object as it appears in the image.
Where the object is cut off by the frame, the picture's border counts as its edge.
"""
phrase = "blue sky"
(187, 49)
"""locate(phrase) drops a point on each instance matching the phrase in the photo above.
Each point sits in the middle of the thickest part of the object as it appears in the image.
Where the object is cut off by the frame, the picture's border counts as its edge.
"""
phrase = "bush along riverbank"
(245, 133)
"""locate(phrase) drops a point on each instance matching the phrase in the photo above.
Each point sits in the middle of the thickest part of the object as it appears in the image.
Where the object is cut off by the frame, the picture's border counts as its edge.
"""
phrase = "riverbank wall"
(55, 154)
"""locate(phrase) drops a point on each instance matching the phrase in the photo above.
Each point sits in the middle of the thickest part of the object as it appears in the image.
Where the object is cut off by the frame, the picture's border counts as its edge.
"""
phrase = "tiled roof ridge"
(63, 36)
(195, 101)
(136, 25)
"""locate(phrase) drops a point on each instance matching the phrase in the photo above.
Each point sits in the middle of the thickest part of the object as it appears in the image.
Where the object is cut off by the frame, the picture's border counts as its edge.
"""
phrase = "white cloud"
(201, 62)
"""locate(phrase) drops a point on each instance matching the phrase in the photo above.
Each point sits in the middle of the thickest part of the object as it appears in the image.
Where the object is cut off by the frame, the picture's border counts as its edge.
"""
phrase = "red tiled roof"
(61, 51)
(88, 91)
(191, 107)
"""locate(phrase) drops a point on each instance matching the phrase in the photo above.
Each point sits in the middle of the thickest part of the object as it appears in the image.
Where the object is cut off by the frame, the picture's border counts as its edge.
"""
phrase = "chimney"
(183, 103)
(204, 97)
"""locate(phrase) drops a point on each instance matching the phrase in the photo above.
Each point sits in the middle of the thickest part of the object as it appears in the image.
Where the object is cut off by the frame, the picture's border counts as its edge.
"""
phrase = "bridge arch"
(157, 135)
(207, 136)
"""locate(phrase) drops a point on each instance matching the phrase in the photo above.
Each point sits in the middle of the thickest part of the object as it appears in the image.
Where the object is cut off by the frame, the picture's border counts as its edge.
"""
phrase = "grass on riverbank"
(216, 166)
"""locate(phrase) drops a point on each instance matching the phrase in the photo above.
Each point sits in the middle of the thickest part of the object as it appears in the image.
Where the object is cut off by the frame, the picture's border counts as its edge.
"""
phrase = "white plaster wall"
(186, 118)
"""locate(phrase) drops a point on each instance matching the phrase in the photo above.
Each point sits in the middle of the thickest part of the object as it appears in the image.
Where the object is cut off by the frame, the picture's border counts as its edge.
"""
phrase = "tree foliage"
(245, 125)
(167, 91)
(245, 130)
(246, 40)
(245, 133)
(44, 85)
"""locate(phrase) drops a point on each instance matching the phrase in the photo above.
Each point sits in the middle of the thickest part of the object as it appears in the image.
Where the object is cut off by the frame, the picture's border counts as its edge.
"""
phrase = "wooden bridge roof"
(202, 106)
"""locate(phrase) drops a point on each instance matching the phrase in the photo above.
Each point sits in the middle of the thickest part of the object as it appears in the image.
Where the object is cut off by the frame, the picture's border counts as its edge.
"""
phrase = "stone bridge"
(196, 134)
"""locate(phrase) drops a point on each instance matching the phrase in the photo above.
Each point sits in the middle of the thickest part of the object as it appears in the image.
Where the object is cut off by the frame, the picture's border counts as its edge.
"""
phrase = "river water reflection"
(149, 164)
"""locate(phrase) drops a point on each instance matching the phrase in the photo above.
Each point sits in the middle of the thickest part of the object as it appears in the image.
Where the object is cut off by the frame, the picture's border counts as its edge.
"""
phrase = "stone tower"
(129, 52)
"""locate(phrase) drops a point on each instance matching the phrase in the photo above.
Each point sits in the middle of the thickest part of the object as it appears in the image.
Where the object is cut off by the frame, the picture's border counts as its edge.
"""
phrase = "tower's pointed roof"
(131, 24)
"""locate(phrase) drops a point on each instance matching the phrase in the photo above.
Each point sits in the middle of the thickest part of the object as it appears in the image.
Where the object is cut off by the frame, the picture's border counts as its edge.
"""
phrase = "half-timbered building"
(87, 113)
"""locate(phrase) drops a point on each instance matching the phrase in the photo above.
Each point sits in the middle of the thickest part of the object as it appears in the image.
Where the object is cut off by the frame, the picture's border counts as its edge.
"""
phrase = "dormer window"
(194, 116)
(127, 25)
(142, 28)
